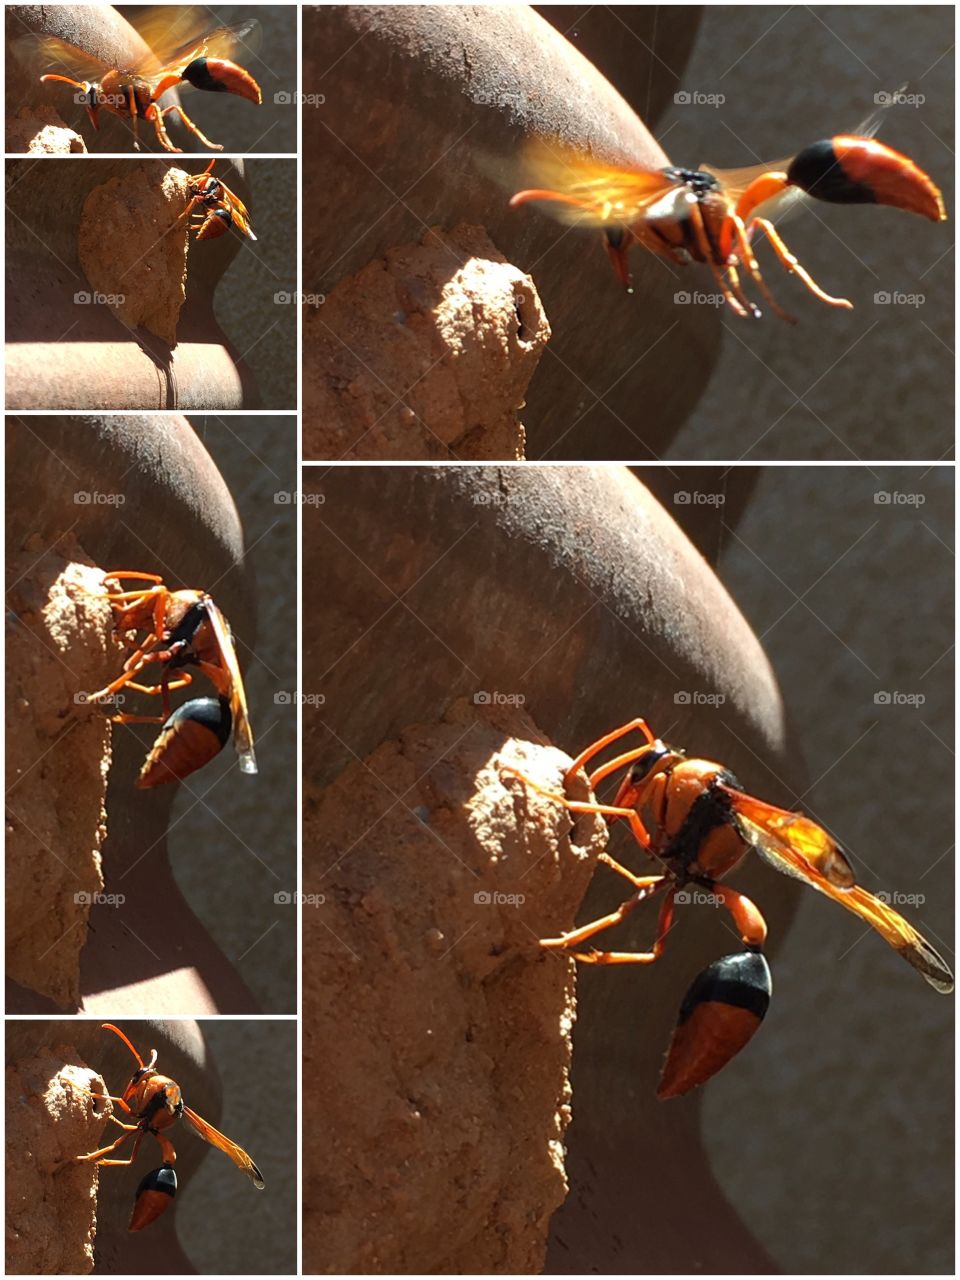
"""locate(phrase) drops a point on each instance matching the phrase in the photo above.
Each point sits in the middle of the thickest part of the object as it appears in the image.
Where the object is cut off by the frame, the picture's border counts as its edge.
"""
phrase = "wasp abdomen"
(154, 1196)
(195, 733)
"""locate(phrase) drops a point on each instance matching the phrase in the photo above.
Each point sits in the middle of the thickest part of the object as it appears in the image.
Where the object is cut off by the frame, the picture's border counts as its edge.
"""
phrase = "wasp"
(695, 819)
(203, 61)
(713, 216)
(156, 1102)
(179, 629)
(213, 207)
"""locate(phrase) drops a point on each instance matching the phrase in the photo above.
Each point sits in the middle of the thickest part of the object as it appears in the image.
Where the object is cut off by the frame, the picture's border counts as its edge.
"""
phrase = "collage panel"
(88, 78)
(117, 299)
(150, 863)
(190, 1214)
(470, 311)
(468, 633)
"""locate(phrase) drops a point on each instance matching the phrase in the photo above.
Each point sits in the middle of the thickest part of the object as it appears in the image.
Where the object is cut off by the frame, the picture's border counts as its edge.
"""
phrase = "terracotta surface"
(426, 353)
(140, 263)
(150, 951)
(59, 648)
(424, 970)
(65, 347)
(573, 590)
(474, 83)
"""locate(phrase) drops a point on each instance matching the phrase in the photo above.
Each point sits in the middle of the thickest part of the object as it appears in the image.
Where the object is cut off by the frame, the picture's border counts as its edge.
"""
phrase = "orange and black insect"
(213, 208)
(201, 61)
(713, 216)
(154, 1101)
(179, 629)
(694, 817)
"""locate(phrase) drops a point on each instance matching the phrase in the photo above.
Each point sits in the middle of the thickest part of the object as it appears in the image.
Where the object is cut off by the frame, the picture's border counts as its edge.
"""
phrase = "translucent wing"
(216, 1139)
(802, 849)
(586, 192)
(242, 733)
(178, 35)
(49, 55)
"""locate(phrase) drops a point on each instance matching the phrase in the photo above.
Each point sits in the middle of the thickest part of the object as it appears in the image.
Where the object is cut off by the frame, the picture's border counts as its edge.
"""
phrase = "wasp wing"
(50, 55)
(800, 848)
(179, 35)
(216, 1139)
(242, 732)
(587, 192)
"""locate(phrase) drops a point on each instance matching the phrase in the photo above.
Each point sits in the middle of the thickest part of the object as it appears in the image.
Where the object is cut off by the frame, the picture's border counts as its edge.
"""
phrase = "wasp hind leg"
(647, 887)
(791, 264)
(185, 119)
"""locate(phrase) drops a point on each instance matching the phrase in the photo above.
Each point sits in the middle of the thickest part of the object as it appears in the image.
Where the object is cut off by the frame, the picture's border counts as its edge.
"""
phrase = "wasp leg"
(135, 575)
(155, 116)
(734, 280)
(631, 957)
(214, 146)
(596, 747)
(788, 260)
(577, 806)
(708, 254)
(99, 1157)
(647, 886)
(753, 266)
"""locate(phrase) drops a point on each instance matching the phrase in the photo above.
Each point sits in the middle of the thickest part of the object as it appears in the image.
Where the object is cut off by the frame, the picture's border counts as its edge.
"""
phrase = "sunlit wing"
(239, 211)
(800, 848)
(216, 1139)
(584, 191)
(177, 40)
(242, 732)
(49, 55)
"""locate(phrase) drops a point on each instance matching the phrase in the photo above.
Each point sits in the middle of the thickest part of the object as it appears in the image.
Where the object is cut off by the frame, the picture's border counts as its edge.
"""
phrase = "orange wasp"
(713, 215)
(219, 209)
(156, 1102)
(179, 629)
(203, 62)
(694, 817)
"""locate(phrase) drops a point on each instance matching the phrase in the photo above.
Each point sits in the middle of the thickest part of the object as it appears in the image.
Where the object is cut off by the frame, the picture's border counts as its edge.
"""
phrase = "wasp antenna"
(108, 1026)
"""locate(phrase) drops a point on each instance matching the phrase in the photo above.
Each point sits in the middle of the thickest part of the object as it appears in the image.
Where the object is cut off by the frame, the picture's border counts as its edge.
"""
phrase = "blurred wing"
(586, 192)
(242, 733)
(736, 181)
(800, 848)
(52, 56)
(176, 43)
(216, 1139)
